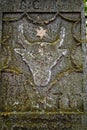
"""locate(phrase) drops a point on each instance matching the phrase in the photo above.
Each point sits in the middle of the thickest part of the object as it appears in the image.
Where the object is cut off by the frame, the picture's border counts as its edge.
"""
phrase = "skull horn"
(21, 37)
(60, 39)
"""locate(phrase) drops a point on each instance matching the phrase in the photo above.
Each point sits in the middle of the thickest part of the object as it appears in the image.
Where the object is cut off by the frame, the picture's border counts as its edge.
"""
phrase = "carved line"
(74, 35)
(60, 76)
(13, 19)
(76, 21)
(43, 22)
(25, 14)
(69, 19)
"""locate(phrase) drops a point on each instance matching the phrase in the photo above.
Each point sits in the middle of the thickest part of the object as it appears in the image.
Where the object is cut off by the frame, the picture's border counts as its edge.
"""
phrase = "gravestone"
(43, 75)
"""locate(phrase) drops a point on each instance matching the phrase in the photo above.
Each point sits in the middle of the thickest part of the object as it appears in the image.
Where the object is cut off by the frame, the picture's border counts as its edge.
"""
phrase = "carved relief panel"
(42, 57)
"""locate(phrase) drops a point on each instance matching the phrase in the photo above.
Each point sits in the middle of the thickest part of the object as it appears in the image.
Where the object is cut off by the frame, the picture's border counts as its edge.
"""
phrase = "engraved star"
(41, 32)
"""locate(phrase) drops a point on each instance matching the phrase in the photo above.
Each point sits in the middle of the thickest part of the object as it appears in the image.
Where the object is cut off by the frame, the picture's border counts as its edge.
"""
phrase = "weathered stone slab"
(41, 121)
(42, 67)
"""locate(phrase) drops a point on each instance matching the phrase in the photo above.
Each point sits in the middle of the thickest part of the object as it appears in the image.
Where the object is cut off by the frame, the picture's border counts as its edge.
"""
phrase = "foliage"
(85, 3)
(85, 8)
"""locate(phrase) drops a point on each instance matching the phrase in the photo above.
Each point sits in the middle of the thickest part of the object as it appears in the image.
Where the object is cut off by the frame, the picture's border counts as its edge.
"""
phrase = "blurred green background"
(85, 1)
(85, 5)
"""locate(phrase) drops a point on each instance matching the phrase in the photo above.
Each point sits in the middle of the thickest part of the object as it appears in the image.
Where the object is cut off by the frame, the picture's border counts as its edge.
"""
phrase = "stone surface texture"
(43, 65)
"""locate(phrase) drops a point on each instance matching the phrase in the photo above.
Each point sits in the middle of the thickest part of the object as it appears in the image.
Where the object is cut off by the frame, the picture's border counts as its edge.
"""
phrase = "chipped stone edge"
(84, 47)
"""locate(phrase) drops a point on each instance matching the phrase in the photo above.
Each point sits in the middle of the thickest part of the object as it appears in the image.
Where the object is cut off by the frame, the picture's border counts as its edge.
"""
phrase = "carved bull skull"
(41, 57)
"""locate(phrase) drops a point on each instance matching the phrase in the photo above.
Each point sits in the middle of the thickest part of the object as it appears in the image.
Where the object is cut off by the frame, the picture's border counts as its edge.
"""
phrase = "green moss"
(35, 114)
(13, 70)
